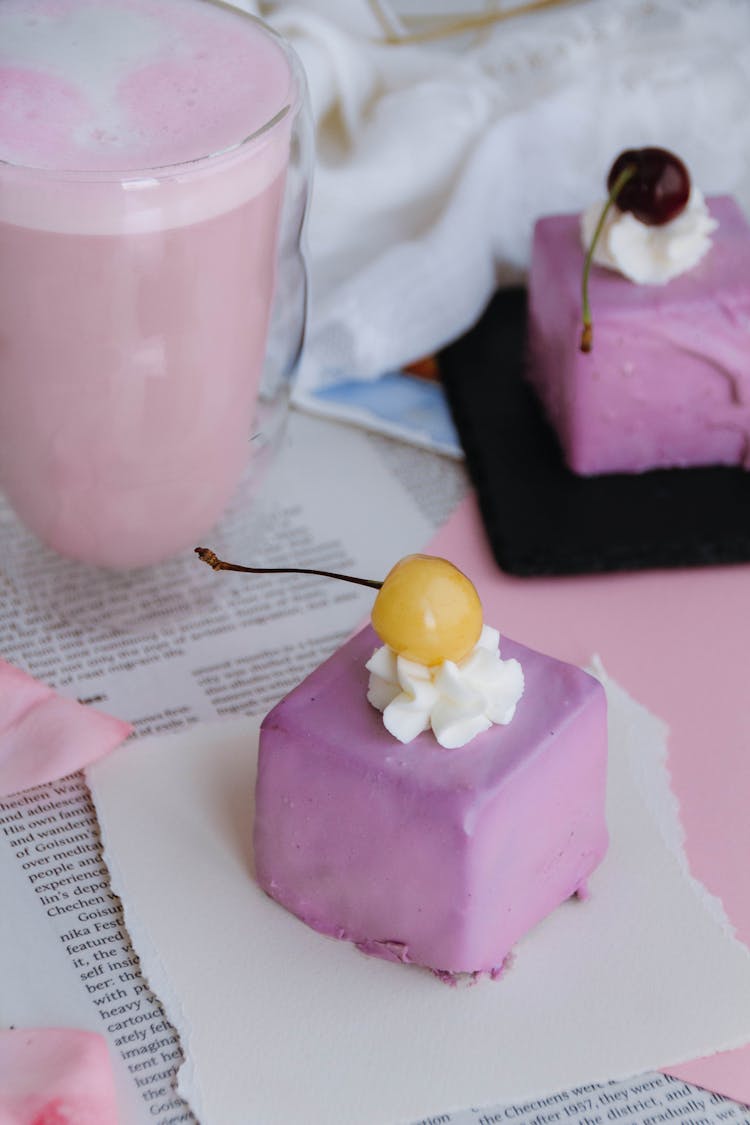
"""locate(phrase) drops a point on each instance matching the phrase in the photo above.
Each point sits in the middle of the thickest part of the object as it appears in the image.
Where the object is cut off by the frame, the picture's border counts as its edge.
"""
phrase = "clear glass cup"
(150, 325)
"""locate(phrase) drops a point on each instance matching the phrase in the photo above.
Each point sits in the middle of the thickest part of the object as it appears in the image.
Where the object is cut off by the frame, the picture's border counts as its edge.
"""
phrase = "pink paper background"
(677, 641)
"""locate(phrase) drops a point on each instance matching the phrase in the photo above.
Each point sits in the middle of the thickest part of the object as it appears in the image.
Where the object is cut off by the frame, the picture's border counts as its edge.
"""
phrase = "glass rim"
(297, 93)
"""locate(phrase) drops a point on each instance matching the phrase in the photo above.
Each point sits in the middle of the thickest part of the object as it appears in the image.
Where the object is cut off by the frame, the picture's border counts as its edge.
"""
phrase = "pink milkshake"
(143, 151)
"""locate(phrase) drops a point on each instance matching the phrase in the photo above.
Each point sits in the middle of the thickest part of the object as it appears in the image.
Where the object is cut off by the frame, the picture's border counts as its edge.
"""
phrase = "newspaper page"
(173, 645)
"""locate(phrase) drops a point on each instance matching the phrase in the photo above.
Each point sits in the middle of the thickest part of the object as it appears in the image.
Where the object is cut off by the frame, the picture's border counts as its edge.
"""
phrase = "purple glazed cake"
(667, 381)
(444, 857)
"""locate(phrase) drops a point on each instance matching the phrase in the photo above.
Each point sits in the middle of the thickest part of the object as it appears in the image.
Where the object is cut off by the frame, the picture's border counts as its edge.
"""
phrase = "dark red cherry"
(654, 186)
(659, 188)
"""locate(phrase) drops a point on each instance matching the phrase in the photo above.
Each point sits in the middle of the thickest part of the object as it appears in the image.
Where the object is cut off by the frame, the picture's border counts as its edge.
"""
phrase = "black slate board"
(542, 519)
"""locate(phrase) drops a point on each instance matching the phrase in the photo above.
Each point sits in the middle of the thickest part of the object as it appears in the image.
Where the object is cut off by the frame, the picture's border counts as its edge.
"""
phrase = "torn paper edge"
(652, 775)
(154, 972)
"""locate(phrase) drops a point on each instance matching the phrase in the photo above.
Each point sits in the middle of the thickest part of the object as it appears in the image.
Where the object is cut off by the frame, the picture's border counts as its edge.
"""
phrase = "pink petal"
(44, 736)
(55, 1076)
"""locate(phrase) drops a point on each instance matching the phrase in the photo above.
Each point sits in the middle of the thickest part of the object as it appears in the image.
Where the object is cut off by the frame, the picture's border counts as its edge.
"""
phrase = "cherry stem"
(587, 333)
(208, 556)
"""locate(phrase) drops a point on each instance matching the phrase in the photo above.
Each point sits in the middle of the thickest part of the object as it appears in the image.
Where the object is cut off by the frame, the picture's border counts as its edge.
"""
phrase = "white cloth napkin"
(434, 160)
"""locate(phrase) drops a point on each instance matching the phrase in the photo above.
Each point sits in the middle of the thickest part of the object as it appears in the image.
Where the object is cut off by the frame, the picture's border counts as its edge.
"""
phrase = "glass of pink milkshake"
(154, 158)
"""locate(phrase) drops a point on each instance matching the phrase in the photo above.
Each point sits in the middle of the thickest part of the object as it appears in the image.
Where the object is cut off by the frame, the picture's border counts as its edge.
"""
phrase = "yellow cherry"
(428, 611)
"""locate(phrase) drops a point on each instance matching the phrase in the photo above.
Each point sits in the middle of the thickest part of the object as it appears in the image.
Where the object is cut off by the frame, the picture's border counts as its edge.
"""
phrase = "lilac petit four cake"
(432, 812)
(667, 380)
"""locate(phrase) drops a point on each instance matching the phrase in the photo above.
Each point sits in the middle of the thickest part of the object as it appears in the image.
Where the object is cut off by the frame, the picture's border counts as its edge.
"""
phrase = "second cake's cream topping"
(456, 700)
(650, 255)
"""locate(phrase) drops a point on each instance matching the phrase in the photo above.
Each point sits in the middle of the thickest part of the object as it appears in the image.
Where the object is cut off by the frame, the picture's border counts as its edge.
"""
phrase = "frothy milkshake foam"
(126, 85)
(140, 194)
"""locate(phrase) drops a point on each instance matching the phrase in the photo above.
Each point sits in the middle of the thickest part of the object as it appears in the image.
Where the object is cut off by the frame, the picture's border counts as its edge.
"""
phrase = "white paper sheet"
(280, 1024)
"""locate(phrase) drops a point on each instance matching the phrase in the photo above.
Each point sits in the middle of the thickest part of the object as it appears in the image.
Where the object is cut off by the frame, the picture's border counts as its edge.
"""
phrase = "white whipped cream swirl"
(458, 701)
(650, 255)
